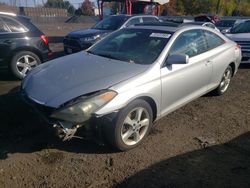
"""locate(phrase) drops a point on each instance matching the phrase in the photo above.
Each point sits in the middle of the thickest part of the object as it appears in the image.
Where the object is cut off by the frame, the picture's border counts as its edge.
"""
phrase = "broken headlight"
(81, 110)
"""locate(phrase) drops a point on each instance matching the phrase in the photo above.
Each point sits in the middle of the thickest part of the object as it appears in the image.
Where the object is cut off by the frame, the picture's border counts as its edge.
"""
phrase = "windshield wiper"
(110, 56)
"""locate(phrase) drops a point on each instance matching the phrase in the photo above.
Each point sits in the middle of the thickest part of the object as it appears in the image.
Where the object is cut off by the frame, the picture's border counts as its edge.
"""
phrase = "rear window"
(13, 25)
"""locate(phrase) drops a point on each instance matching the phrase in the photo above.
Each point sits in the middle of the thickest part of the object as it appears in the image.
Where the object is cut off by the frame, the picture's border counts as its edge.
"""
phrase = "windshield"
(243, 27)
(111, 23)
(140, 46)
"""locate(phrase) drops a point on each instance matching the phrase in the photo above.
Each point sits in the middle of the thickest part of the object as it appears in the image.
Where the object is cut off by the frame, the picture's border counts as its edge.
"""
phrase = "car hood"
(87, 33)
(239, 36)
(63, 79)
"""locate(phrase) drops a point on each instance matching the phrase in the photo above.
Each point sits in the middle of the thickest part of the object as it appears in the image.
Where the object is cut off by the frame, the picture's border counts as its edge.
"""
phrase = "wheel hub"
(135, 126)
(25, 64)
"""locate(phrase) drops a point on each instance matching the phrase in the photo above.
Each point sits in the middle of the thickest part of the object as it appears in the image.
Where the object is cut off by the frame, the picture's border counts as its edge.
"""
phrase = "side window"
(133, 21)
(14, 25)
(3, 28)
(213, 40)
(149, 19)
(189, 43)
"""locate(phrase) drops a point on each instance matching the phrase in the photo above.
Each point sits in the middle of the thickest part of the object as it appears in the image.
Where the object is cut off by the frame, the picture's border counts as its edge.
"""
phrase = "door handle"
(7, 41)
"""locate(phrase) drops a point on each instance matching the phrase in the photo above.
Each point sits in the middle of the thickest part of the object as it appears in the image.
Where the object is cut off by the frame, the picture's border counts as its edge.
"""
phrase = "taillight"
(45, 39)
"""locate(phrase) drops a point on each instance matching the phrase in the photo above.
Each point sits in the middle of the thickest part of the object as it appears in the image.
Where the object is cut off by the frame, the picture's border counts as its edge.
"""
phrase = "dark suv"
(83, 38)
(22, 45)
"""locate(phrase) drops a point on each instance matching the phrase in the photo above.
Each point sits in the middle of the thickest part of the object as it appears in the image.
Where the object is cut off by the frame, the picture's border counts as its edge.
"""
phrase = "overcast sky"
(31, 2)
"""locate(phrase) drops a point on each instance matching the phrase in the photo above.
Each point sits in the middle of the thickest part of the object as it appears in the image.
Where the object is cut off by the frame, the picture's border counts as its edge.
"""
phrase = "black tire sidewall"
(13, 64)
(113, 132)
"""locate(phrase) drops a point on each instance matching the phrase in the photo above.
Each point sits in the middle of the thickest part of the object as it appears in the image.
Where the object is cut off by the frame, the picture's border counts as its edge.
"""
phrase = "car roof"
(130, 16)
(171, 30)
(7, 14)
(195, 23)
(165, 24)
(22, 17)
(161, 28)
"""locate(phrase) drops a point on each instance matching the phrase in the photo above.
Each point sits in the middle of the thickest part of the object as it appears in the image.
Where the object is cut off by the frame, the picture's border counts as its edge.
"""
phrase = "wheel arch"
(233, 66)
(152, 104)
(27, 48)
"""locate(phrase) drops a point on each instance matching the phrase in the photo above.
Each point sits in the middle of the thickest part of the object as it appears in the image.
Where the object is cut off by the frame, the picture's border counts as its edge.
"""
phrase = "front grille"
(245, 45)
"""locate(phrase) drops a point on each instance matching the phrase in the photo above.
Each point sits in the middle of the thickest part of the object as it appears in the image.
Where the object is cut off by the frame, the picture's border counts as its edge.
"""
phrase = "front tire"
(23, 62)
(131, 125)
(225, 82)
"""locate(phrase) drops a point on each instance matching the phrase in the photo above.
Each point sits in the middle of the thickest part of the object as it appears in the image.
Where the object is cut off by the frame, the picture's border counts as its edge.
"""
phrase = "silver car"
(130, 79)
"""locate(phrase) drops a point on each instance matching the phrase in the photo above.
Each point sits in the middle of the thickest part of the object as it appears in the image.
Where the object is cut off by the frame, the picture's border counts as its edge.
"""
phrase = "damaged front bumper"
(64, 130)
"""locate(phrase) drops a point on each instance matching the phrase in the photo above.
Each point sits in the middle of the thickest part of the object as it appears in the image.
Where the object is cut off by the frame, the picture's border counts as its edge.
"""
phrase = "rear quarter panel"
(221, 57)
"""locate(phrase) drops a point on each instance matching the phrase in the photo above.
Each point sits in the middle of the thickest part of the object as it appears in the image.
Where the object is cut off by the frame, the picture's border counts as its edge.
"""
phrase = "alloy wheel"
(225, 80)
(25, 64)
(135, 126)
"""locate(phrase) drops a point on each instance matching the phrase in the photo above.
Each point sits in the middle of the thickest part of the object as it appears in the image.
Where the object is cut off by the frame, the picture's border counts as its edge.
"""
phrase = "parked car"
(207, 18)
(169, 24)
(240, 33)
(84, 38)
(22, 45)
(224, 25)
(204, 24)
(131, 78)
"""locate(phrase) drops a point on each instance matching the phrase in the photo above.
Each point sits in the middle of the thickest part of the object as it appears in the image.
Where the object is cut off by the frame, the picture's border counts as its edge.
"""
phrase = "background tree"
(87, 8)
(60, 4)
(195, 7)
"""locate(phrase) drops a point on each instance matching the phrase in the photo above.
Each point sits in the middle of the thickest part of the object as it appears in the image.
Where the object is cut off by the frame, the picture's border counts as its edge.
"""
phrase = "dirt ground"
(204, 144)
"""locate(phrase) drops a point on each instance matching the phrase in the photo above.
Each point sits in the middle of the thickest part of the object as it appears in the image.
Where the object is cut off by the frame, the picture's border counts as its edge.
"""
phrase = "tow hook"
(66, 133)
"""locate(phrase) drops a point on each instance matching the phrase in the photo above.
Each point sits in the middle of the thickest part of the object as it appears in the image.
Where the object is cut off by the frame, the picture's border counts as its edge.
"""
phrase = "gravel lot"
(204, 144)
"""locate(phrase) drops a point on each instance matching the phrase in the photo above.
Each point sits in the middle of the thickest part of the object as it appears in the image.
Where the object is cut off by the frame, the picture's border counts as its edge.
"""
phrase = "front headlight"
(81, 111)
(89, 39)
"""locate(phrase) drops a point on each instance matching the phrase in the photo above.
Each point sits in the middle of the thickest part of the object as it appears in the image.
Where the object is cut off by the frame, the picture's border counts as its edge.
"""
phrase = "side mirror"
(177, 59)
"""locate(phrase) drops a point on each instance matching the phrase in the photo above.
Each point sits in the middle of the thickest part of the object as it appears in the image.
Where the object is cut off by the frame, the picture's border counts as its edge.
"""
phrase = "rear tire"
(131, 125)
(225, 82)
(23, 62)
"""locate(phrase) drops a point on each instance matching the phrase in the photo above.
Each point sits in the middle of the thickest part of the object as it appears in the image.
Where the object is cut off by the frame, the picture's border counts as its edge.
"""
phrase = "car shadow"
(21, 131)
(6, 76)
(226, 165)
(244, 66)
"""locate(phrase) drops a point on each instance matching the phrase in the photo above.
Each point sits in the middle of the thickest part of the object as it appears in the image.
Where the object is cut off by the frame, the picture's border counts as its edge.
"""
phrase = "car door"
(183, 82)
(4, 37)
(218, 53)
